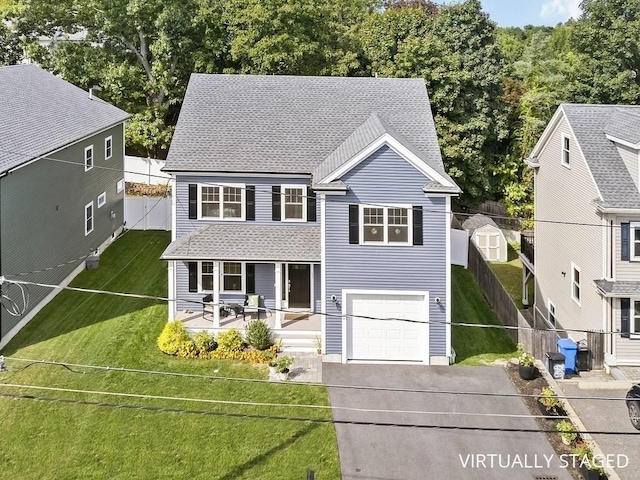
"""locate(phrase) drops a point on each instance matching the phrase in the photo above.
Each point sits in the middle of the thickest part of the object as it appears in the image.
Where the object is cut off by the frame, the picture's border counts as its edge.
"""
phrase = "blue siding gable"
(386, 178)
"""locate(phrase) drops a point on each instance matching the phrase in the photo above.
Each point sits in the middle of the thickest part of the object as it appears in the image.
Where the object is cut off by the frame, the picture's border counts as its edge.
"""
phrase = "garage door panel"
(390, 340)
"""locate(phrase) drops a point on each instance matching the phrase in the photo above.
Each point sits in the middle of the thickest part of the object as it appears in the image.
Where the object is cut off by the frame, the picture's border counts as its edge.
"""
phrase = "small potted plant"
(318, 342)
(273, 362)
(526, 368)
(283, 363)
(567, 432)
(549, 400)
(590, 468)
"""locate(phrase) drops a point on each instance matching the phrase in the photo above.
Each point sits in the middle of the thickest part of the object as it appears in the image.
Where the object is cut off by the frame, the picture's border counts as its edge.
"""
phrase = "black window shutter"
(275, 203)
(354, 224)
(311, 205)
(251, 278)
(250, 196)
(417, 226)
(193, 276)
(625, 248)
(193, 200)
(625, 317)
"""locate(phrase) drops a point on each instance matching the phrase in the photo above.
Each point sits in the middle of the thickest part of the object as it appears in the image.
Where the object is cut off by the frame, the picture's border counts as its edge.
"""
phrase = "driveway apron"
(398, 452)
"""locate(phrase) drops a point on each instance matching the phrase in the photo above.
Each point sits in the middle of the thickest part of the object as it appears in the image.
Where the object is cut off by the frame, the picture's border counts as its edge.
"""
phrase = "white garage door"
(386, 340)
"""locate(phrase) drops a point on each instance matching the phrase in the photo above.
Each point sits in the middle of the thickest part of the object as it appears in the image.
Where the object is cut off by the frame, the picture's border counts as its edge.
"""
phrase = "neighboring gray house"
(327, 197)
(487, 236)
(56, 205)
(586, 260)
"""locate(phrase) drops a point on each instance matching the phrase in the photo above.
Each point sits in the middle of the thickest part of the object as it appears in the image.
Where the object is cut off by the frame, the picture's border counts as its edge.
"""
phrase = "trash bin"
(569, 349)
(555, 364)
(583, 360)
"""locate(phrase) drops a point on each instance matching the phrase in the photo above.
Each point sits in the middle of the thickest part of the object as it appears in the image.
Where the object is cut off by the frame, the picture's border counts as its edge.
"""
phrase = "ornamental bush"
(230, 341)
(204, 341)
(259, 335)
(174, 339)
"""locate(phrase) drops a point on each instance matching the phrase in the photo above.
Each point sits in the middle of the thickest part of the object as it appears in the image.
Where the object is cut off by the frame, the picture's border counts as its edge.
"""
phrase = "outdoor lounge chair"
(251, 305)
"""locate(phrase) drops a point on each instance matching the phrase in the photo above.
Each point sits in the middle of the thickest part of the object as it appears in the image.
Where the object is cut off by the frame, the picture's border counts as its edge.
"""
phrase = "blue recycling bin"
(569, 349)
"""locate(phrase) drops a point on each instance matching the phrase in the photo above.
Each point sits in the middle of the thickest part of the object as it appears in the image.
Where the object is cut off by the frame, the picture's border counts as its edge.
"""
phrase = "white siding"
(627, 349)
(565, 195)
(630, 158)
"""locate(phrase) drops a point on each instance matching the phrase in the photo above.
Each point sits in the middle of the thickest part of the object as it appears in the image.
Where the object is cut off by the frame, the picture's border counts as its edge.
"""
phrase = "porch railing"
(526, 246)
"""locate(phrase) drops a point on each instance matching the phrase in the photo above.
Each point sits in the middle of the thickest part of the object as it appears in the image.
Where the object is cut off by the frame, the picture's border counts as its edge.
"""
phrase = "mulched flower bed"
(533, 387)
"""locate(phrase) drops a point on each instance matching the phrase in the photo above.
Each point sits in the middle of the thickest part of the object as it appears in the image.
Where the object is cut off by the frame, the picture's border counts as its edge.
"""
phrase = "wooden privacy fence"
(538, 341)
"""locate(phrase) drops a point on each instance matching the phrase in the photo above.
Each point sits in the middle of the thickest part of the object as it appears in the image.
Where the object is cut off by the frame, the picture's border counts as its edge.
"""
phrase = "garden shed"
(487, 236)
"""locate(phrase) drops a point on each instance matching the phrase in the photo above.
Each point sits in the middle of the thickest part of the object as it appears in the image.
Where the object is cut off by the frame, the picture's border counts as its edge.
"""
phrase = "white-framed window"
(108, 147)
(566, 153)
(634, 234)
(388, 225)
(120, 186)
(634, 324)
(575, 283)
(88, 158)
(222, 202)
(551, 315)
(294, 203)
(102, 199)
(231, 277)
(88, 218)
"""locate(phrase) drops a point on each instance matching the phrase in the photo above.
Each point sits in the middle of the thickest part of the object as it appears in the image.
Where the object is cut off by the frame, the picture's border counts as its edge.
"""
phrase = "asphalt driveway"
(609, 416)
(398, 452)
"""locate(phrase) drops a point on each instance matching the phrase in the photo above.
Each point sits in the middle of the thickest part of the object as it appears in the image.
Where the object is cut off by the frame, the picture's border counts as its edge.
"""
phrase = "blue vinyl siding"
(263, 185)
(386, 178)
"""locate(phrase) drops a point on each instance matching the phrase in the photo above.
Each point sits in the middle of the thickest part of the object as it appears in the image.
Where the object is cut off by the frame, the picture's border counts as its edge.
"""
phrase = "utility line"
(293, 419)
(265, 404)
(535, 220)
(265, 309)
(106, 369)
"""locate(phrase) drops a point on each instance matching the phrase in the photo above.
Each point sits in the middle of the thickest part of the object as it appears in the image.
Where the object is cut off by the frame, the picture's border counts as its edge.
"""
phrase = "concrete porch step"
(298, 341)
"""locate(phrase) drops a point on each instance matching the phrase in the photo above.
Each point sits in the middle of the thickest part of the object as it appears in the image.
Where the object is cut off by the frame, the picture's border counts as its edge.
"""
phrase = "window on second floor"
(222, 202)
(386, 225)
(566, 158)
(88, 158)
(108, 147)
(575, 283)
(294, 203)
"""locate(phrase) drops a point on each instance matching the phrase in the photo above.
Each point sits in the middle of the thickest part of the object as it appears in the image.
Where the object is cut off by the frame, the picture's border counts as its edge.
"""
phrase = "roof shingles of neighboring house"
(590, 124)
(42, 113)
(292, 124)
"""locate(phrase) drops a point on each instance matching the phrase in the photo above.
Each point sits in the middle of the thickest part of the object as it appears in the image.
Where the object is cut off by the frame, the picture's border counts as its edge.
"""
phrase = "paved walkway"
(307, 367)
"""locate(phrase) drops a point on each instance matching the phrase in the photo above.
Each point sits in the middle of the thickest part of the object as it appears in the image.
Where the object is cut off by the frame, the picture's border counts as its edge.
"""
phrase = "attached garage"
(369, 337)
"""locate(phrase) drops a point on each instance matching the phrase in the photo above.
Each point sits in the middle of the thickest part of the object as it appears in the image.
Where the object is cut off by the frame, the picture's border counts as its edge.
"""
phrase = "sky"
(518, 13)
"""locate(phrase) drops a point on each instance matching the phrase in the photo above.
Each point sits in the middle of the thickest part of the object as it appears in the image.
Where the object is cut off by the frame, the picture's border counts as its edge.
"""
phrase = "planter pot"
(527, 373)
(284, 375)
(272, 371)
(565, 441)
(591, 474)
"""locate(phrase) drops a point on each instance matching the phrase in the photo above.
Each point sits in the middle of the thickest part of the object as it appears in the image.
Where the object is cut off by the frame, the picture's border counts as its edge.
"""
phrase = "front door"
(299, 287)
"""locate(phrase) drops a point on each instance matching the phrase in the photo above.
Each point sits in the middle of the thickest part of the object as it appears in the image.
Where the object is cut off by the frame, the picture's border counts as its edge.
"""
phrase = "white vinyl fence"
(147, 213)
(144, 170)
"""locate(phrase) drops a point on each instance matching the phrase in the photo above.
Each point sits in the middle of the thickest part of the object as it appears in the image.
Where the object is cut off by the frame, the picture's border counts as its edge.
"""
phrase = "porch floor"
(298, 322)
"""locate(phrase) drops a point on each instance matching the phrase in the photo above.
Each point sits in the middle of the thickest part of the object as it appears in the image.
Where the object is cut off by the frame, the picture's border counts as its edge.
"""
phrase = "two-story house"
(325, 196)
(61, 185)
(587, 230)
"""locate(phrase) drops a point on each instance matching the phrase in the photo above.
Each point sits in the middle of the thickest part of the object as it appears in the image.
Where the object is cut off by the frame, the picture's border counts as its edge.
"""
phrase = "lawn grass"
(474, 345)
(510, 275)
(49, 440)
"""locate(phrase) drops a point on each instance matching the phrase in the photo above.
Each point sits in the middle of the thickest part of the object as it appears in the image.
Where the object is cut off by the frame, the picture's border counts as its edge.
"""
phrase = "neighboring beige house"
(587, 231)
(487, 236)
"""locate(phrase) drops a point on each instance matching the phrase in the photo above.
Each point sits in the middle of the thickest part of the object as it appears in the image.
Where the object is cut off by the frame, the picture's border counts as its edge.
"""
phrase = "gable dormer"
(623, 130)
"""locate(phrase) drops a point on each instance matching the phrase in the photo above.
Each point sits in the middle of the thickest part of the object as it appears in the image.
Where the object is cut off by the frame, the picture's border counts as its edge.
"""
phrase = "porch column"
(216, 294)
(171, 290)
(278, 285)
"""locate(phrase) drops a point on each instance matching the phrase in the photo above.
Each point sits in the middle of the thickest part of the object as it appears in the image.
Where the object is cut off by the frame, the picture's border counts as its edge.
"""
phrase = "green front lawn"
(474, 345)
(48, 440)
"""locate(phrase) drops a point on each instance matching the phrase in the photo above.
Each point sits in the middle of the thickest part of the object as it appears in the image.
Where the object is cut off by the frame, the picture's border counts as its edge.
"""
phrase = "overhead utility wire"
(535, 220)
(108, 369)
(266, 404)
(289, 418)
(331, 315)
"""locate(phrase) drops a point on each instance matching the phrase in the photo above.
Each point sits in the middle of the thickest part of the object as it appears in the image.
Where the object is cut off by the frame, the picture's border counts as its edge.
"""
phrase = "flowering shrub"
(524, 357)
(174, 339)
(230, 341)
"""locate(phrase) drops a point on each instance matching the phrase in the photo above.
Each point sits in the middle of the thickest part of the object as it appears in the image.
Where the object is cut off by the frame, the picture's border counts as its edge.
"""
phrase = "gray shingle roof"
(289, 124)
(41, 113)
(624, 125)
(607, 167)
(244, 242)
(476, 221)
(618, 289)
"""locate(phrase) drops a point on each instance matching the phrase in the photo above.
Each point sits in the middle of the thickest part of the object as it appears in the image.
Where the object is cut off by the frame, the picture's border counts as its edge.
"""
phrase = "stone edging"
(573, 416)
